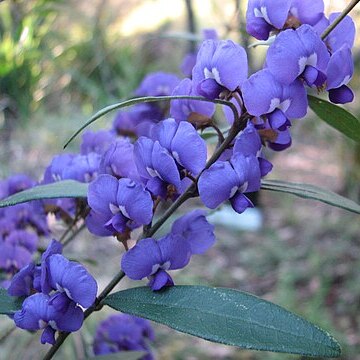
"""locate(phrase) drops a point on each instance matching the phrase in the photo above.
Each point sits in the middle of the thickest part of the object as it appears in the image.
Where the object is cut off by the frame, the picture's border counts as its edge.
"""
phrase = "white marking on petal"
(262, 13)
(42, 324)
(113, 208)
(208, 74)
(275, 102)
(68, 293)
(166, 265)
(233, 191)
(52, 323)
(307, 60)
(243, 187)
(213, 74)
(152, 172)
(176, 157)
(294, 12)
(284, 105)
(154, 269)
(345, 81)
(123, 211)
(216, 75)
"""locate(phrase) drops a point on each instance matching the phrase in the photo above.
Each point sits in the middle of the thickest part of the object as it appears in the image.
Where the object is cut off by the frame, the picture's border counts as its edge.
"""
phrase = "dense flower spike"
(123, 332)
(117, 205)
(220, 66)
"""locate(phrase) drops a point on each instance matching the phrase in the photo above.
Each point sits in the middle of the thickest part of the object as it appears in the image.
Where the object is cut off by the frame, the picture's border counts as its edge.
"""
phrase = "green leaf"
(336, 116)
(308, 191)
(148, 99)
(227, 316)
(9, 304)
(123, 355)
(60, 189)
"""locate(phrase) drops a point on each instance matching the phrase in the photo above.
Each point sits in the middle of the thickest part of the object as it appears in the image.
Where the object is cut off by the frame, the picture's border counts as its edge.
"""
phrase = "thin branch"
(337, 21)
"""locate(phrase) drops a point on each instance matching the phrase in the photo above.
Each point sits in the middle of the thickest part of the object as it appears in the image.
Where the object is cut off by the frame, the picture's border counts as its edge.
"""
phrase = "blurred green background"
(62, 60)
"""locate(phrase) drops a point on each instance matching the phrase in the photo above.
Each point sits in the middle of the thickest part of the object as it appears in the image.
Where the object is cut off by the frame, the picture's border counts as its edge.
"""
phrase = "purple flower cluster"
(123, 332)
(296, 58)
(54, 291)
(20, 227)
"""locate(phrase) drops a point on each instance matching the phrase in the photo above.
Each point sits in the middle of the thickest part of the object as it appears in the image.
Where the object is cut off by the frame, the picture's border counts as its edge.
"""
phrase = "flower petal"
(217, 183)
(134, 201)
(140, 260)
(185, 144)
(102, 192)
(74, 279)
(159, 280)
(176, 250)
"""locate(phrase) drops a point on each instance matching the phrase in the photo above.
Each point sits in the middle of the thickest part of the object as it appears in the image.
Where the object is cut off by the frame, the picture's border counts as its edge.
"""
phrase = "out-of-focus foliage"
(24, 30)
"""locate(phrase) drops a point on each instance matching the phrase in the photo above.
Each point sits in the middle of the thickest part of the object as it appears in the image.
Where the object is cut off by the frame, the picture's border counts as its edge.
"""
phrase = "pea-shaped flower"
(117, 205)
(220, 65)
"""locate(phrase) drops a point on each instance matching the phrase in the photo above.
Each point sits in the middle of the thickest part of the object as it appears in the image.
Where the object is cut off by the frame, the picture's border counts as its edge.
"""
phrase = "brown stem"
(337, 21)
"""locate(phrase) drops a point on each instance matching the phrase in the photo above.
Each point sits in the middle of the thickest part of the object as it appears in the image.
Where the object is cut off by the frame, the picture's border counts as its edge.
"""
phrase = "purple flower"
(241, 174)
(19, 182)
(23, 238)
(83, 168)
(343, 34)
(171, 149)
(22, 282)
(189, 60)
(264, 95)
(54, 172)
(50, 313)
(195, 229)
(182, 141)
(119, 161)
(12, 257)
(96, 142)
(264, 16)
(183, 110)
(123, 332)
(118, 205)
(73, 279)
(220, 65)
(297, 53)
(151, 258)
(339, 72)
(138, 121)
(29, 214)
(157, 84)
